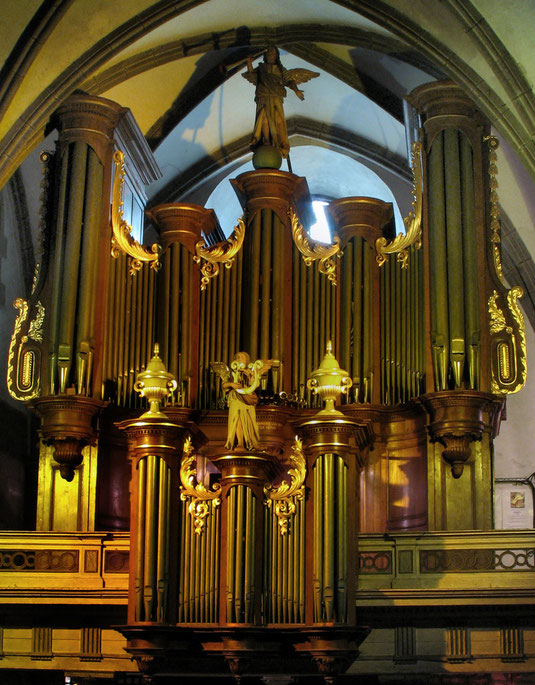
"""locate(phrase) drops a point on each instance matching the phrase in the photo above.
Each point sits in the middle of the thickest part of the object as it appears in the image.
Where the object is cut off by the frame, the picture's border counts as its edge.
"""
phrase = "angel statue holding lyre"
(240, 383)
(271, 80)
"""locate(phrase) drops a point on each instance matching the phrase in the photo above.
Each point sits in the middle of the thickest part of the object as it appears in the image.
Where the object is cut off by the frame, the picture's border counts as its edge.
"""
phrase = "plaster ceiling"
(176, 64)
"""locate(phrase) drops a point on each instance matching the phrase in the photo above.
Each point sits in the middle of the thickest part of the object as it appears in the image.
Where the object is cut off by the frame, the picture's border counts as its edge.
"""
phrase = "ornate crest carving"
(285, 495)
(122, 240)
(24, 357)
(220, 253)
(413, 222)
(321, 252)
(508, 342)
(200, 500)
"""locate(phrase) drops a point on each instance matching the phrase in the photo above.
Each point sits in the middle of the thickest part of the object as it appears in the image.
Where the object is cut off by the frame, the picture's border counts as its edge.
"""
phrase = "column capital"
(89, 119)
(443, 104)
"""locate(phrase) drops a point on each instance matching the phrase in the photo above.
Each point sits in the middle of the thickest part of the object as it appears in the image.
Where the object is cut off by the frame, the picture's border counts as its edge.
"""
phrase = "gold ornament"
(329, 381)
(200, 500)
(413, 222)
(285, 495)
(155, 383)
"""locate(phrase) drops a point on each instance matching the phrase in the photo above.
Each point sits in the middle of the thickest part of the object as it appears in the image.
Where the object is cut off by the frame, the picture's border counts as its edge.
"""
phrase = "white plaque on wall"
(513, 505)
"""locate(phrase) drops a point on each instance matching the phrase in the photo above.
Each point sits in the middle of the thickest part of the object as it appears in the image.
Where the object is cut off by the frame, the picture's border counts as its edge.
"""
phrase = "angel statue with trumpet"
(271, 80)
(240, 383)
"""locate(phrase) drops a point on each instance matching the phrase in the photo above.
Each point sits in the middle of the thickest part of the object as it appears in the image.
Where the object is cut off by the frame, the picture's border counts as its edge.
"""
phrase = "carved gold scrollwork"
(508, 343)
(312, 251)
(413, 222)
(23, 372)
(495, 239)
(220, 253)
(200, 500)
(286, 493)
(122, 239)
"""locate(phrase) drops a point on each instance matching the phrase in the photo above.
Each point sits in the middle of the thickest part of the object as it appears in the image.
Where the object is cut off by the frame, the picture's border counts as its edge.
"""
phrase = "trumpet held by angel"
(240, 383)
(271, 80)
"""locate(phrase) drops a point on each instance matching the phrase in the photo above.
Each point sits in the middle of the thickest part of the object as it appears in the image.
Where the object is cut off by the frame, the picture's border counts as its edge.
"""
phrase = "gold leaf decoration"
(35, 331)
(509, 357)
(312, 251)
(23, 378)
(220, 253)
(413, 222)
(286, 493)
(122, 240)
(495, 226)
(497, 317)
(200, 500)
(512, 301)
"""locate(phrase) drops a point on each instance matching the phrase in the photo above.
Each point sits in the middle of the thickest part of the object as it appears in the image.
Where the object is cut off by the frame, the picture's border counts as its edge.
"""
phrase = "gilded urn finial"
(155, 383)
(329, 381)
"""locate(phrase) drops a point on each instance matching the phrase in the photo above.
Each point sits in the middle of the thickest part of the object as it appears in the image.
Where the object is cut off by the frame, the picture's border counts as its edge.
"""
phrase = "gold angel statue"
(271, 80)
(240, 382)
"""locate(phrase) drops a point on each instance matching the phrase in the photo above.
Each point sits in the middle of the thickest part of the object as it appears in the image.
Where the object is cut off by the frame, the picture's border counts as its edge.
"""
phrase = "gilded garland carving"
(35, 331)
(495, 239)
(201, 501)
(220, 253)
(312, 251)
(413, 222)
(497, 317)
(506, 324)
(122, 240)
(285, 495)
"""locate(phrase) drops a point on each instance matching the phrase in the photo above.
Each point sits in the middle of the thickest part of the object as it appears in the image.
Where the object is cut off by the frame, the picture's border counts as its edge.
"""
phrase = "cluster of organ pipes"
(429, 351)
(194, 328)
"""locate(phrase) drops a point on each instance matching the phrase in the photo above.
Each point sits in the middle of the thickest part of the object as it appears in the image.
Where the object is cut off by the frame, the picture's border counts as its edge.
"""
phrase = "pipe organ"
(246, 559)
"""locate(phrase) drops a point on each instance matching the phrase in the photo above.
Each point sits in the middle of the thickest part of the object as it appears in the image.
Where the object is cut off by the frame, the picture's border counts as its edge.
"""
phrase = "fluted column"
(335, 448)
(243, 476)
(267, 308)
(155, 448)
(460, 275)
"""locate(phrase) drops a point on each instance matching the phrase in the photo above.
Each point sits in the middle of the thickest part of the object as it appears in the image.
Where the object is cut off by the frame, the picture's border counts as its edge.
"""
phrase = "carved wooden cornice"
(272, 189)
(458, 418)
(89, 119)
(68, 424)
(360, 216)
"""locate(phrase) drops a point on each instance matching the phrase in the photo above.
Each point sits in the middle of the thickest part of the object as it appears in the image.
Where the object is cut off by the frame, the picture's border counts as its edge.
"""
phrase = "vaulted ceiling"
(177, 65)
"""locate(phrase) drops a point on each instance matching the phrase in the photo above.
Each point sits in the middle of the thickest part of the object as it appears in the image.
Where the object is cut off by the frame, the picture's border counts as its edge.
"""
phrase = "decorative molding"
(512, 641)
(41, 644)
(24, 358)
(458, 645)
(313, 251)
(44, 560)
(122, 240)
(116, 561)
(200, 500)
(91, 644)
(508, 342)
(495, 226)
(375, 562)
(413, 222)
(211, 256)
(286, 493)
(405, 645)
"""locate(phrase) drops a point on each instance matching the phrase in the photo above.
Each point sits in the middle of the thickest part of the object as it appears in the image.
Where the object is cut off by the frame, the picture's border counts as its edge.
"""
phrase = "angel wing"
(264, 365)
(222, 370)
(251, 76)
(299, 75)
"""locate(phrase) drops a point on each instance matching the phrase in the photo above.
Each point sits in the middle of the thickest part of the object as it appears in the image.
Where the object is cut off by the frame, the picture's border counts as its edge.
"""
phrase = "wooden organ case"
(246, 559)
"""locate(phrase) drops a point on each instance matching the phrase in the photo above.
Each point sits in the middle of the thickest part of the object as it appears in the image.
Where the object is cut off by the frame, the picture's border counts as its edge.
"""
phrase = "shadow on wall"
(18, 469)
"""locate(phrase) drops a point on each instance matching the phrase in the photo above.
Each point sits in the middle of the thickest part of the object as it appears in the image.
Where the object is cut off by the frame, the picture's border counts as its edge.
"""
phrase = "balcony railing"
(471, 567)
